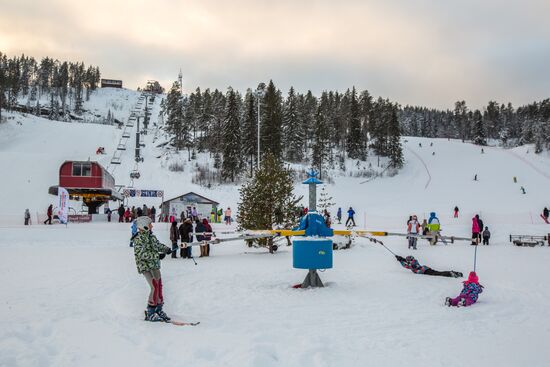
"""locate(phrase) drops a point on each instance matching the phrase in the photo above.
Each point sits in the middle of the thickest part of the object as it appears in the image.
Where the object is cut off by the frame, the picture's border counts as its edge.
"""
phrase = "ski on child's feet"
(181, 323)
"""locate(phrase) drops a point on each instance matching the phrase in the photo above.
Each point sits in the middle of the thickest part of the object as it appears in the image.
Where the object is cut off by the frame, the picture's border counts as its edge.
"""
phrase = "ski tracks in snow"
(424, 164)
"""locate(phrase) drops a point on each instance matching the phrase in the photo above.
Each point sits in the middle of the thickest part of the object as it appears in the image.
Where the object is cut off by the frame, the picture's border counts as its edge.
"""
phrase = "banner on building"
(62, 204)
(143, 193)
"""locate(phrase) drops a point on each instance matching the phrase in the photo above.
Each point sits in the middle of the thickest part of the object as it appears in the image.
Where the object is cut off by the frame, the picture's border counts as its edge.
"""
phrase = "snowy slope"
(73, 296)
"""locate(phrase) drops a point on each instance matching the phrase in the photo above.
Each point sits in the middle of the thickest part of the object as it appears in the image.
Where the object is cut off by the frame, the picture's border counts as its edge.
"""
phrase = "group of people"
(185, 233)
(130, 214)
(479, 233)
(430, 226)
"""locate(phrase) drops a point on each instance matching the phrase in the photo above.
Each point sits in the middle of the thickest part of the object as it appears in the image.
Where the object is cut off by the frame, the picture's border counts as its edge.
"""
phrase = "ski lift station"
(186, 202)
(88, 181)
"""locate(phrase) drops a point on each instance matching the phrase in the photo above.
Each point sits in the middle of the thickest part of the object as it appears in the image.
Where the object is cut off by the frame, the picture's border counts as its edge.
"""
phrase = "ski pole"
(193, 258)
(475, 258)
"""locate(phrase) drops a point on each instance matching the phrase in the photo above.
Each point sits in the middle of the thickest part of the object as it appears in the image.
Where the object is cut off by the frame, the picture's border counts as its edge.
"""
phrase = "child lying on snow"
(412, 264)
(468, 295)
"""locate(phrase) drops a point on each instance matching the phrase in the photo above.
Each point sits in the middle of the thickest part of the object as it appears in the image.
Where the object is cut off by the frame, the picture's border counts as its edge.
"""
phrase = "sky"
(415, 52)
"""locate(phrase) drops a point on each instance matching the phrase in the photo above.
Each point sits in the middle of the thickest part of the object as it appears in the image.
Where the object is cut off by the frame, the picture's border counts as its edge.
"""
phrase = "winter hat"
(472, 278)
(143, 222)
(410, 258)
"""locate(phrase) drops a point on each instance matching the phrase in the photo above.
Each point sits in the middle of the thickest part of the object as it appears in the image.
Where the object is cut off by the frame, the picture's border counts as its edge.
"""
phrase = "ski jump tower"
(314, 250)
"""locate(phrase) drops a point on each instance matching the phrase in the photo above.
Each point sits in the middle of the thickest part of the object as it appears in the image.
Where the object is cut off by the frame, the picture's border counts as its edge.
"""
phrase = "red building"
(88, 181)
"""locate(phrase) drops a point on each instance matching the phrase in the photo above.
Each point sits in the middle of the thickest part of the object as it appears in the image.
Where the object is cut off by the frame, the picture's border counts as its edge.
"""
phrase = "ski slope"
(72, 295)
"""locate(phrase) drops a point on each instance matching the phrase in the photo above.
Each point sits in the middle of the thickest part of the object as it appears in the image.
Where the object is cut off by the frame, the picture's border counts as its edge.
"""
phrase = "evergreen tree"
(325, 200)
(267, 200)
(395, 151)
(354, 146)
(272, 122)
(321, 136)
(231, 143)
(250, 129)
(479, 133)
(294, 134)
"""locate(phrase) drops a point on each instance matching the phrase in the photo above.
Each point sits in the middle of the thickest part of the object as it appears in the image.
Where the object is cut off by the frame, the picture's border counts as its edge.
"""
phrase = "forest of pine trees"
(500, 124)
(66, 85)
(295, 127)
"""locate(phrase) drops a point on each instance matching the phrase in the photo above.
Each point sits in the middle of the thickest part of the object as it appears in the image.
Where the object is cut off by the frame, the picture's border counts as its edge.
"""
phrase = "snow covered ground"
(72, 295)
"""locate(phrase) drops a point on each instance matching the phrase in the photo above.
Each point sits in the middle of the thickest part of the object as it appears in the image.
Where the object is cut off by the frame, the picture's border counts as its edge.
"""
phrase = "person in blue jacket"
(351, 213)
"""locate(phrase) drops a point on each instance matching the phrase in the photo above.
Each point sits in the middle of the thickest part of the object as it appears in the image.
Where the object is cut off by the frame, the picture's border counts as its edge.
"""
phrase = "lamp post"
(260, 93)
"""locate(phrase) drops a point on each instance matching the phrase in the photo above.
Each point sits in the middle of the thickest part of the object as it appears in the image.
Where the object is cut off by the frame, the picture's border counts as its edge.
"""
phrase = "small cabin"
(85, 174)
(111, 83)
(186, 202)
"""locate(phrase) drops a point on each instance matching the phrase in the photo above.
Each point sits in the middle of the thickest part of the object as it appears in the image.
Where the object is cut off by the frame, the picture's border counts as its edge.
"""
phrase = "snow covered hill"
(73, 296)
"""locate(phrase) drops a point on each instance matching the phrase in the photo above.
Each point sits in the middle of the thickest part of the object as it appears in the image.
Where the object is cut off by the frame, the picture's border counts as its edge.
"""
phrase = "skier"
(120, 212)
(434, 227)
(486, 236)
(199, 228)
(186, 228)
(127, 215)
(351, 213)
(469, 294)
(205, 250)
(153, 213)
(146, 252)
(475, 230)
(194, 213)
(456, 212)
(545, 214)
(475, 177)
(49, 213)
(174, 237)
(339, 215)
(420, 145)
(522, 190)
(480, 225)
(220, 214)
(413, 227)
(482, 151)
(109, 213)
(424, 227)
(27, 216)
(412, 264)
(228, 216)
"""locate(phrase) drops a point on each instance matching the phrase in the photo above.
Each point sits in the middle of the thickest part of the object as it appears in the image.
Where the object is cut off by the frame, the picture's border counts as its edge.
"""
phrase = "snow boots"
(162, 314)
(156, 314)
(448, 301)
(456, 274)
(151, 314)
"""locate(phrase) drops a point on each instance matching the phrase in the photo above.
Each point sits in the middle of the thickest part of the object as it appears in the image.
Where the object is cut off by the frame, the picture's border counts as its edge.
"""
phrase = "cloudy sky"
(421, 52)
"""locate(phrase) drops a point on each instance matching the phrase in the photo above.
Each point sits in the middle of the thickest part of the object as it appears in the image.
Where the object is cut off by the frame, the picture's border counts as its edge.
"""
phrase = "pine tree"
(479, 133)
(354, 147)
(271, 122)
(320, 148)
(395, 151)
(267, 201)
(231, 143)
(325, 200)
(249, 130)
(294, 134)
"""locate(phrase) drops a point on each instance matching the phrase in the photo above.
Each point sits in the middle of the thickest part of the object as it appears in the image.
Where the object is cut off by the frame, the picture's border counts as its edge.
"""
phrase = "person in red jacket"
(49, 213)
